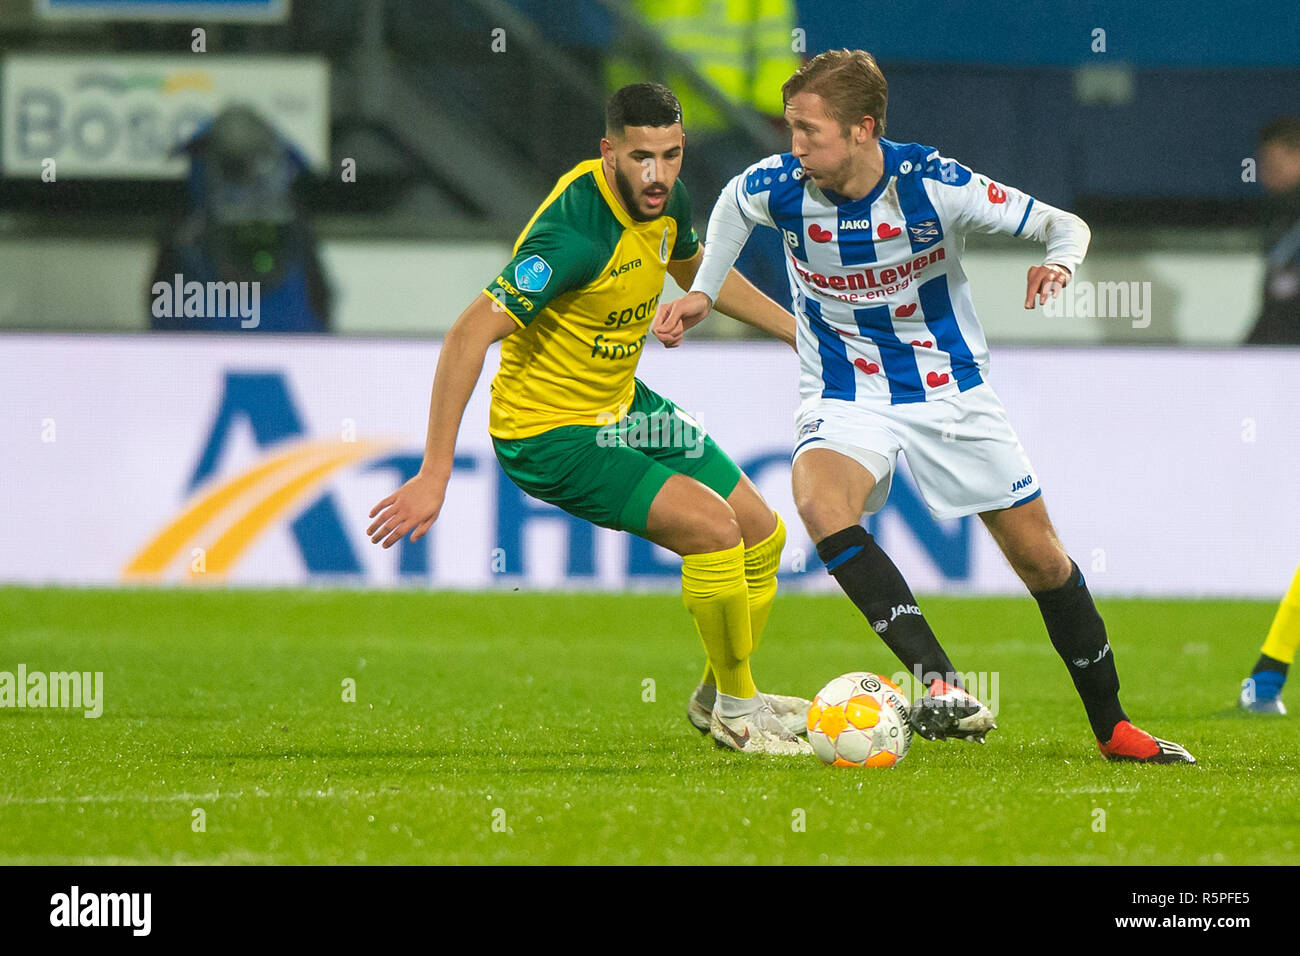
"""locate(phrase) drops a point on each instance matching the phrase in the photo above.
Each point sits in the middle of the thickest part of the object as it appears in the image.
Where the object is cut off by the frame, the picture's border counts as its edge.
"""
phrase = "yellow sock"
(715, 592)
(1284, 635)
(761, 564)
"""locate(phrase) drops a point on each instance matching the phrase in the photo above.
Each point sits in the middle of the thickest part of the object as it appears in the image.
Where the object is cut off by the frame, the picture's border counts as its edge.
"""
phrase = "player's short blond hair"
(850, 83)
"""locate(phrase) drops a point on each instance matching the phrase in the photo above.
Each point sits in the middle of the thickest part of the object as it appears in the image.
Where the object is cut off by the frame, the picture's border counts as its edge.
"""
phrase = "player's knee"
(1043, 570)
(718, 529)
(820, 517)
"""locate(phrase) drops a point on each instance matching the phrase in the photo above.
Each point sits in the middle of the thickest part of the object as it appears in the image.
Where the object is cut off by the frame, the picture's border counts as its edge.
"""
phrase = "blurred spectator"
(1279, 174)
(743, 47)
(242, 254)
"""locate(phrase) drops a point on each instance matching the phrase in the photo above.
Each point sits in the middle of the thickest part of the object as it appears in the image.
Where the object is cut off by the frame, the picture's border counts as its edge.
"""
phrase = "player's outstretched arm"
(738, 298)
(743, 301)
(971, 202)
(414, 507)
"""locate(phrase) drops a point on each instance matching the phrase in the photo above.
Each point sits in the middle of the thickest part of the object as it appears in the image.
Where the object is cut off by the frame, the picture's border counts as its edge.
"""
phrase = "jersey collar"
(890, 154)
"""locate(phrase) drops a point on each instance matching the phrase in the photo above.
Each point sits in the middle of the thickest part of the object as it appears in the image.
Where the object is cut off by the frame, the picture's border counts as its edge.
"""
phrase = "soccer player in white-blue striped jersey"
(893, 359)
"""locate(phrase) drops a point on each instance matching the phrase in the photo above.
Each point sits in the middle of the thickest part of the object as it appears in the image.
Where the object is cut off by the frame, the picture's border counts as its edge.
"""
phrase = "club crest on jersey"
(532, 274)
(663, 246)
(924, 232)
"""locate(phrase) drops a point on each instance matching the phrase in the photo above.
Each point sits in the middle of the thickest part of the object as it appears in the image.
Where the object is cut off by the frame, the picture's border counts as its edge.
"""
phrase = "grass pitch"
(514, 728)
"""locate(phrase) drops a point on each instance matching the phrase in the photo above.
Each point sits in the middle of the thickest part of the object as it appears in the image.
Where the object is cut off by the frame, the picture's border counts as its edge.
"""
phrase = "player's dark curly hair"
(641, 104)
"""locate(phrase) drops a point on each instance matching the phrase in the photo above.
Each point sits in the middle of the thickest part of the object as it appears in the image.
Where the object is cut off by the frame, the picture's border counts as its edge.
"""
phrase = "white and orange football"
(860, 720)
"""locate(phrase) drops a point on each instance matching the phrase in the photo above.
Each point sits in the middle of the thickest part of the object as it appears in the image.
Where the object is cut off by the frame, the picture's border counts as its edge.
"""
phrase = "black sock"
(1079, 636)
(1266, 663)
(876, 586)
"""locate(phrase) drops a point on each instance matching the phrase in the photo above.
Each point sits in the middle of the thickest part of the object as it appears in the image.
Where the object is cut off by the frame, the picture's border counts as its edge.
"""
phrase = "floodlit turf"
(527, 711)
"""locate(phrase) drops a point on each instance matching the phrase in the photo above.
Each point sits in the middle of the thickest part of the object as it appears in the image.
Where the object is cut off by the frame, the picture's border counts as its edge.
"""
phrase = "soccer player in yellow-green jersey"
(573, 426)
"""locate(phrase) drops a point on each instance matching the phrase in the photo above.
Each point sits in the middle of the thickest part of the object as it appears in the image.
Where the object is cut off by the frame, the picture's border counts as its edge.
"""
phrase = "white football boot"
(758, 733)
(947, 711)
(791, 711)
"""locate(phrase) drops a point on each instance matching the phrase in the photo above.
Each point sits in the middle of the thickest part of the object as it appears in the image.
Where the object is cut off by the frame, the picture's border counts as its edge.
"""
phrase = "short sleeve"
(552, 259)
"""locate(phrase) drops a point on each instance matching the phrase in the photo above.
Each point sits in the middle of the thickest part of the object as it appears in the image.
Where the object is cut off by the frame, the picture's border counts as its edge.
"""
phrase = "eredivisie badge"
(532, 274)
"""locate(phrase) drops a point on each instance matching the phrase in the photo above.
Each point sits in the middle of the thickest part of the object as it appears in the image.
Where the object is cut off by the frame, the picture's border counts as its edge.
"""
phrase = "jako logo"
(102, 909)
(904, 609)
(1024, 482)
(854, 224)
(1082, 662)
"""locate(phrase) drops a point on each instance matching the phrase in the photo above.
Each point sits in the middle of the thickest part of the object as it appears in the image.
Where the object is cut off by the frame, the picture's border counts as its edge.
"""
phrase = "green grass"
(231, 702)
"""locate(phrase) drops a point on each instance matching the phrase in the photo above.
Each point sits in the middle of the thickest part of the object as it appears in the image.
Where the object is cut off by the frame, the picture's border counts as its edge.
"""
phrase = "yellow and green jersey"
(583, 285)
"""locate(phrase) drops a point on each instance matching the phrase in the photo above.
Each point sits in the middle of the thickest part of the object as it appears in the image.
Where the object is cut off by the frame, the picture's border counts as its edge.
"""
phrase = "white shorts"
(961, 449)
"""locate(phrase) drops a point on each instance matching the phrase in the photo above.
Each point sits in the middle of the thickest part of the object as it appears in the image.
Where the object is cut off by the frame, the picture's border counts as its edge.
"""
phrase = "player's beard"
(630, 200)
(834, 179)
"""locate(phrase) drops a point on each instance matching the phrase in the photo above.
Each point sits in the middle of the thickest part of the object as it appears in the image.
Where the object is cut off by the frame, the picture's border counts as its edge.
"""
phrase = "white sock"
(728, 706)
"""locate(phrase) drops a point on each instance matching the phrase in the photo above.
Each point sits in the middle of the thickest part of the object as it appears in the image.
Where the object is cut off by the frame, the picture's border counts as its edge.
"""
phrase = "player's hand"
(1045, 281)
(414, 505)
(673, 319)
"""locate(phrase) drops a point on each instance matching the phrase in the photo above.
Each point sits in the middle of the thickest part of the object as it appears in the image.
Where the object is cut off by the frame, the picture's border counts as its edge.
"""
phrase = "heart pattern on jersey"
(817, 234)
(927, 344)
(934, 379)
(886, 231)
(870, 368)
(903, 311)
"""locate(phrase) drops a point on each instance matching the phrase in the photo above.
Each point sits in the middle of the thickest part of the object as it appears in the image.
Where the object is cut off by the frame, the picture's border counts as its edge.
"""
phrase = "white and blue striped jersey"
(883, 307)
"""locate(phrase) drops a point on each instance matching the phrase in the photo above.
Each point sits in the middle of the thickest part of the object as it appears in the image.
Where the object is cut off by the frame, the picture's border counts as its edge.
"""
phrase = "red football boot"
(1132, 743)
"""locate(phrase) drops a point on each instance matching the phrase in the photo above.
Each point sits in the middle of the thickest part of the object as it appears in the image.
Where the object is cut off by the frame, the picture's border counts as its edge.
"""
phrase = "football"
(860, 720)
